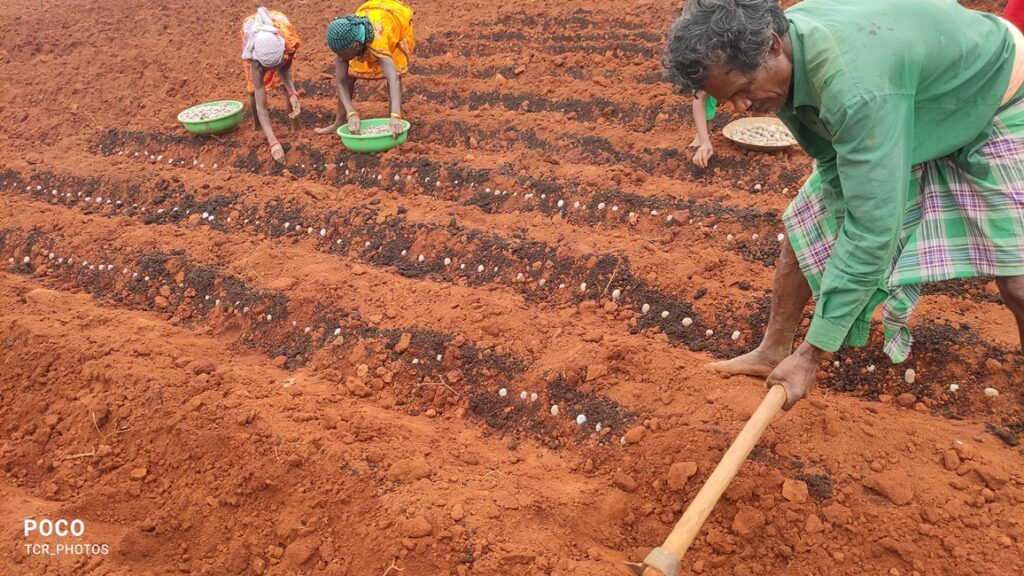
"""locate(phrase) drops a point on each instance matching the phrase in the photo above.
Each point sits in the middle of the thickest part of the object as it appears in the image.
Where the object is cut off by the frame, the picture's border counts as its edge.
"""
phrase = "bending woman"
(269, 45)
(371, 44)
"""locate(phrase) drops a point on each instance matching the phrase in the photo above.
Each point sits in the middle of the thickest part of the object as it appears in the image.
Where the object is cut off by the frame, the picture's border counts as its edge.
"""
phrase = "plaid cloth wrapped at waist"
(961, 221)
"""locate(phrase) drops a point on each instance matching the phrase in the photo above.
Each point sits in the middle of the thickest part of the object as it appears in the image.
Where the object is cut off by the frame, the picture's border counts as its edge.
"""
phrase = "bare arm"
(345, 106)
(293, 95)
(387, 66)
(700, 118)
(703, 139)
(261, 101)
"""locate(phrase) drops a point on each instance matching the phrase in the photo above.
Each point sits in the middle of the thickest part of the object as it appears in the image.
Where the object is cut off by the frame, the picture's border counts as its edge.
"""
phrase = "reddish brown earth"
(233, 395)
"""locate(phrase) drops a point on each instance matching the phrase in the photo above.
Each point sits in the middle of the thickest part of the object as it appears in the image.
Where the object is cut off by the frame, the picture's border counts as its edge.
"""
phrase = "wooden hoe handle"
(664, 561)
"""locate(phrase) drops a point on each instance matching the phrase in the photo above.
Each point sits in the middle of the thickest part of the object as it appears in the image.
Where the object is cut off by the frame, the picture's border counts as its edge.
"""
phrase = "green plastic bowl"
(214, 125)
(375, 142)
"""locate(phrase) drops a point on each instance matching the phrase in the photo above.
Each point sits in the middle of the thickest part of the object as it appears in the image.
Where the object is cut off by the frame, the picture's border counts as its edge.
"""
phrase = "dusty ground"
(227, 368)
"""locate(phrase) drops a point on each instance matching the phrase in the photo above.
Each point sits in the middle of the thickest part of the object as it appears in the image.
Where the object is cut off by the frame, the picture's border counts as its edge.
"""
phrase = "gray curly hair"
(733, 34)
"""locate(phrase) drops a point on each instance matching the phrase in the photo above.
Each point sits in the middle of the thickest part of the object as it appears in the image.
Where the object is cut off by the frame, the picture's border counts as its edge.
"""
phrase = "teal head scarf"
(347, 30)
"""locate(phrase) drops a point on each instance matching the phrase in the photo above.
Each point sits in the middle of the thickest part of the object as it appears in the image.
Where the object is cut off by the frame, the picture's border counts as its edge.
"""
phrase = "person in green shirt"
(912, 111)
(703, 111)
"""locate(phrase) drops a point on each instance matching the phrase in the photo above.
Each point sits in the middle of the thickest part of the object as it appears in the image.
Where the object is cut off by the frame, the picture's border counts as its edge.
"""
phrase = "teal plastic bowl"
(215, 125)
(374, 142)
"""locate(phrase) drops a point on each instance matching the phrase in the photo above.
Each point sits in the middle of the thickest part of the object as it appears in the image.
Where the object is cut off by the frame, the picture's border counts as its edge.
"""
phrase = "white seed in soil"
(561, 203)
(367, 244)
(462, 266)
(422, 258)
(337, 331)
(447, 261)
(503, 392)
(615, 208)
(871, 368)
(581, 419)
(664, 314)
(146, 278)
(645, 308)
(480, 268)
(323, 232)
(415, 360)
(27, 260)
(561, 286)
(245, 310)
(736, 335)
(687, 322)
(294, 323)
(991, 392)
(598, 427)
(533, 397)
(835, 364)
(910, 376)
(495, 269)
(439, 357)
(269, 317)
(541, 283)
(600, 206)
(730, 237)
(954, 387)
(755, 236)
(583, 287)
(757, 187)
(306, 331)
(782, 237)
(616, 294)
(668, 218)
(308, 230)
(523, 395)
(576, 204)
(519, 277)
(554, 409)
(287, 225)
(709, 333)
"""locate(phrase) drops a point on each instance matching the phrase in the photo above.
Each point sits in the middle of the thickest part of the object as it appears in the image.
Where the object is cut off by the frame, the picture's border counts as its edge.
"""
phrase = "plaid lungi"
(964, 218)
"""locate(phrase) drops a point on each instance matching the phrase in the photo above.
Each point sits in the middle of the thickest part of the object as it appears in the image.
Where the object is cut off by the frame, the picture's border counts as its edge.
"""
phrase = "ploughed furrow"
(421, 369)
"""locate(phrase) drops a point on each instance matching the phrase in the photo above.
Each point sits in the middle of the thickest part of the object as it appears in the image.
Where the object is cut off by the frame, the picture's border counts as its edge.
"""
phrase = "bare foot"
(757, 362)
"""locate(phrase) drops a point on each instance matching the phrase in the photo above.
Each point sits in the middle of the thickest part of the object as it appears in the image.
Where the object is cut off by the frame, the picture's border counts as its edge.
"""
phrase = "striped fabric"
(963, 219)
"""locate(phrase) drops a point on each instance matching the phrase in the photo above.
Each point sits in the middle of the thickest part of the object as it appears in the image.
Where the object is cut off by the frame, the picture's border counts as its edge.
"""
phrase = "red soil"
(176, 381)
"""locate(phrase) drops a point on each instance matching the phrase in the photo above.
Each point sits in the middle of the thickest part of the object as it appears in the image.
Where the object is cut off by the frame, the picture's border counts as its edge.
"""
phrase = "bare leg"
(1012, 290)
(255, 116)
(790, 294)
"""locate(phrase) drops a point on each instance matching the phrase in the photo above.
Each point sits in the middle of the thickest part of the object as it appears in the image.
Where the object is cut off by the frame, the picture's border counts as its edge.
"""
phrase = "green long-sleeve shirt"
(879, 86)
